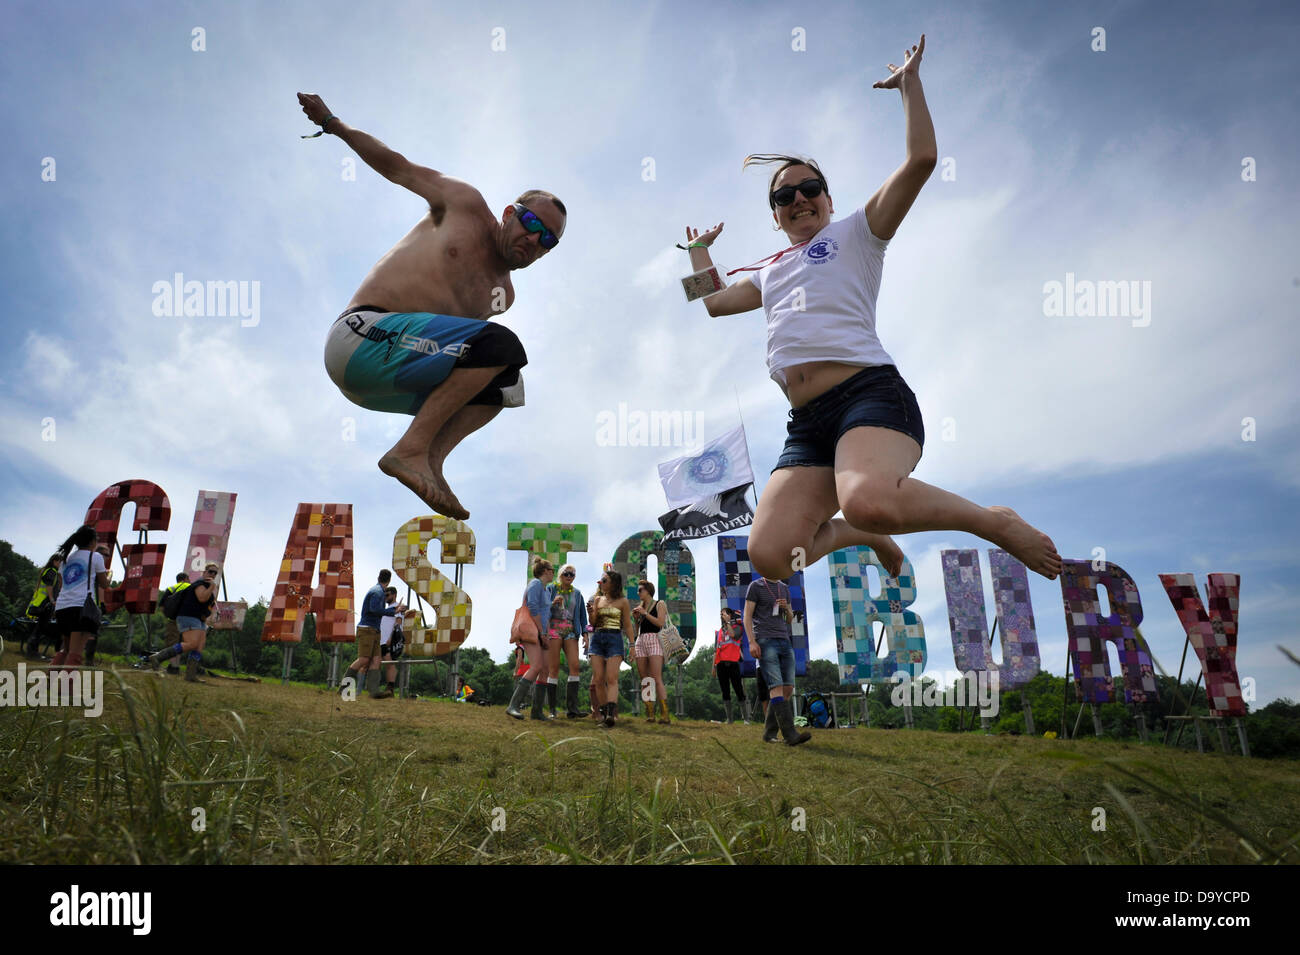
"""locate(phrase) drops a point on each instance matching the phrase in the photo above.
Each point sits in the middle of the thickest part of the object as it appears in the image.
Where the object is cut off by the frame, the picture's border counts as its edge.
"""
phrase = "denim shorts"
(184, 624)
(876, 396)
(607, 643)
(776, 657)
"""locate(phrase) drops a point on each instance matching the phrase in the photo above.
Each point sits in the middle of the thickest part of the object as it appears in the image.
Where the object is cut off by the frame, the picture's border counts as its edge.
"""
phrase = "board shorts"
(391, 361)
(876, 397)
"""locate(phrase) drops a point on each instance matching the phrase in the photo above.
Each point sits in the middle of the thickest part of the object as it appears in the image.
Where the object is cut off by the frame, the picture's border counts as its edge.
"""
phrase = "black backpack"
(171, 602)
(817, 711)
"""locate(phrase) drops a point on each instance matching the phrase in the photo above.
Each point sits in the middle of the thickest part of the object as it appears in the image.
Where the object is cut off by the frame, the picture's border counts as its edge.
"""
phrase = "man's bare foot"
(428, 486)
(435, 468)
(1027, 544)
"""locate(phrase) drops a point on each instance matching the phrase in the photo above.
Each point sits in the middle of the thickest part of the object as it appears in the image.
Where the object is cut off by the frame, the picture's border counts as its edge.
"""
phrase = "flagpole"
(735, 391)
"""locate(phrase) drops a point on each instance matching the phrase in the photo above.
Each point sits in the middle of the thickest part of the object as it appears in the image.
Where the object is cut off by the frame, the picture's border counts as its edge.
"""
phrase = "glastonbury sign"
(319, 547)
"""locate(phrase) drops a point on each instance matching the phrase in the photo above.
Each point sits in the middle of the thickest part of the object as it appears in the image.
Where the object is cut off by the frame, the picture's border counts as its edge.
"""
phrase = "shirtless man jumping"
(417, 337)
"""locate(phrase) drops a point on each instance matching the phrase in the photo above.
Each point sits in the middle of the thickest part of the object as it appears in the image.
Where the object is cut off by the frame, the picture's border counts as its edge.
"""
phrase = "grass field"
(286, 774)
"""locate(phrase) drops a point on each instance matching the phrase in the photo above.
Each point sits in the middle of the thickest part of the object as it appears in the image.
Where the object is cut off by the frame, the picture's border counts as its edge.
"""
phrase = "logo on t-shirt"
(822, 251)
(73, 574)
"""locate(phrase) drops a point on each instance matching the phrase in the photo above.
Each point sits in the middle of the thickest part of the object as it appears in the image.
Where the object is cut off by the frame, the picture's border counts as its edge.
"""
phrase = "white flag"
(721, 465)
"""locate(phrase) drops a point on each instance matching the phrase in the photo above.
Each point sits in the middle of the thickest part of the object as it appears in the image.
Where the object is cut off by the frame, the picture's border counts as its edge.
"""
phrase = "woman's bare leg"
(642, 674)
(872, 468)
(597, 689)
(536, 661)
(656, 668)
(595, 686)
(571, 657)
(794, 529)
(192, 640)
(610, 693)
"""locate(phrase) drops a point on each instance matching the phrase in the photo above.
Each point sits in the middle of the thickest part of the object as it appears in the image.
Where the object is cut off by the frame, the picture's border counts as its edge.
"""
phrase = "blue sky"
(1122, 165)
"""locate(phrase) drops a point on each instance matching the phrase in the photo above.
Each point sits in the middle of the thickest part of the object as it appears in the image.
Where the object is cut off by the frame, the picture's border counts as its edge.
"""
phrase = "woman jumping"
(855, 432)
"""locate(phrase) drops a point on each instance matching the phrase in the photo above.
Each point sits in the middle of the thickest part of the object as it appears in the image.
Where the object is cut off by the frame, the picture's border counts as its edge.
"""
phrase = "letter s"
(452, 606)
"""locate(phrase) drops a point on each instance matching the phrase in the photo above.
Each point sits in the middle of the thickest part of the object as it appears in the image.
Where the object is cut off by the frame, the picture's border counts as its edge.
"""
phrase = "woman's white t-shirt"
(75, 582)
(820, 300)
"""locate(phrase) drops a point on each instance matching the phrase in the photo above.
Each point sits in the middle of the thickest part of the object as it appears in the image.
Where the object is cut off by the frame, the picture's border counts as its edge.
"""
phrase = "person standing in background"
(650, 616)
(538, 599)
(726, 662)
(84, 576)
(612, 617)
(767, 625)
(171, 632)
(373, 612)
(568, 623)
(390, 641)
(40, 609)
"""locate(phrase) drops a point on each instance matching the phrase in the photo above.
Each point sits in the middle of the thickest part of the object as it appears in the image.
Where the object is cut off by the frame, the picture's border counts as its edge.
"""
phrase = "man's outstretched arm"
(432, 186)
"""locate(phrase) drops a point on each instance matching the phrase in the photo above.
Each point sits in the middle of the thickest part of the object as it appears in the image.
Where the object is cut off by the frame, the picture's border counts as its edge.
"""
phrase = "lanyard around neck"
(764, 262)
(768, 587)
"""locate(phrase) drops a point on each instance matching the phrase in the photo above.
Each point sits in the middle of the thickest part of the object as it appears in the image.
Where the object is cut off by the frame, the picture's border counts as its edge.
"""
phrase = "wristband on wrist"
(693, 245)
(323, 125)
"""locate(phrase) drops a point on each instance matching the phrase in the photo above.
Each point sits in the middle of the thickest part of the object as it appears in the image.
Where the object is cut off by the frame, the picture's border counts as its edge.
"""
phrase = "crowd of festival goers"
(606, 627)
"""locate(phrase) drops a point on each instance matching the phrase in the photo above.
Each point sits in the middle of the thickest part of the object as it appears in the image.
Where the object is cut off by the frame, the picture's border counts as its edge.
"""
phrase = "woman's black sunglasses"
(811, 188)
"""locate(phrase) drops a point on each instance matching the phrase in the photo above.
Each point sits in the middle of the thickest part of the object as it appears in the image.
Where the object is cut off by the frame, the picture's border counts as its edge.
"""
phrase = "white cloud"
(49, 366)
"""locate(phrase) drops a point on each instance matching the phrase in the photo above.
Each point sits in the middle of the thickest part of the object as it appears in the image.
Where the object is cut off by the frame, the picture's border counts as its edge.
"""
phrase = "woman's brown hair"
(762, 159)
